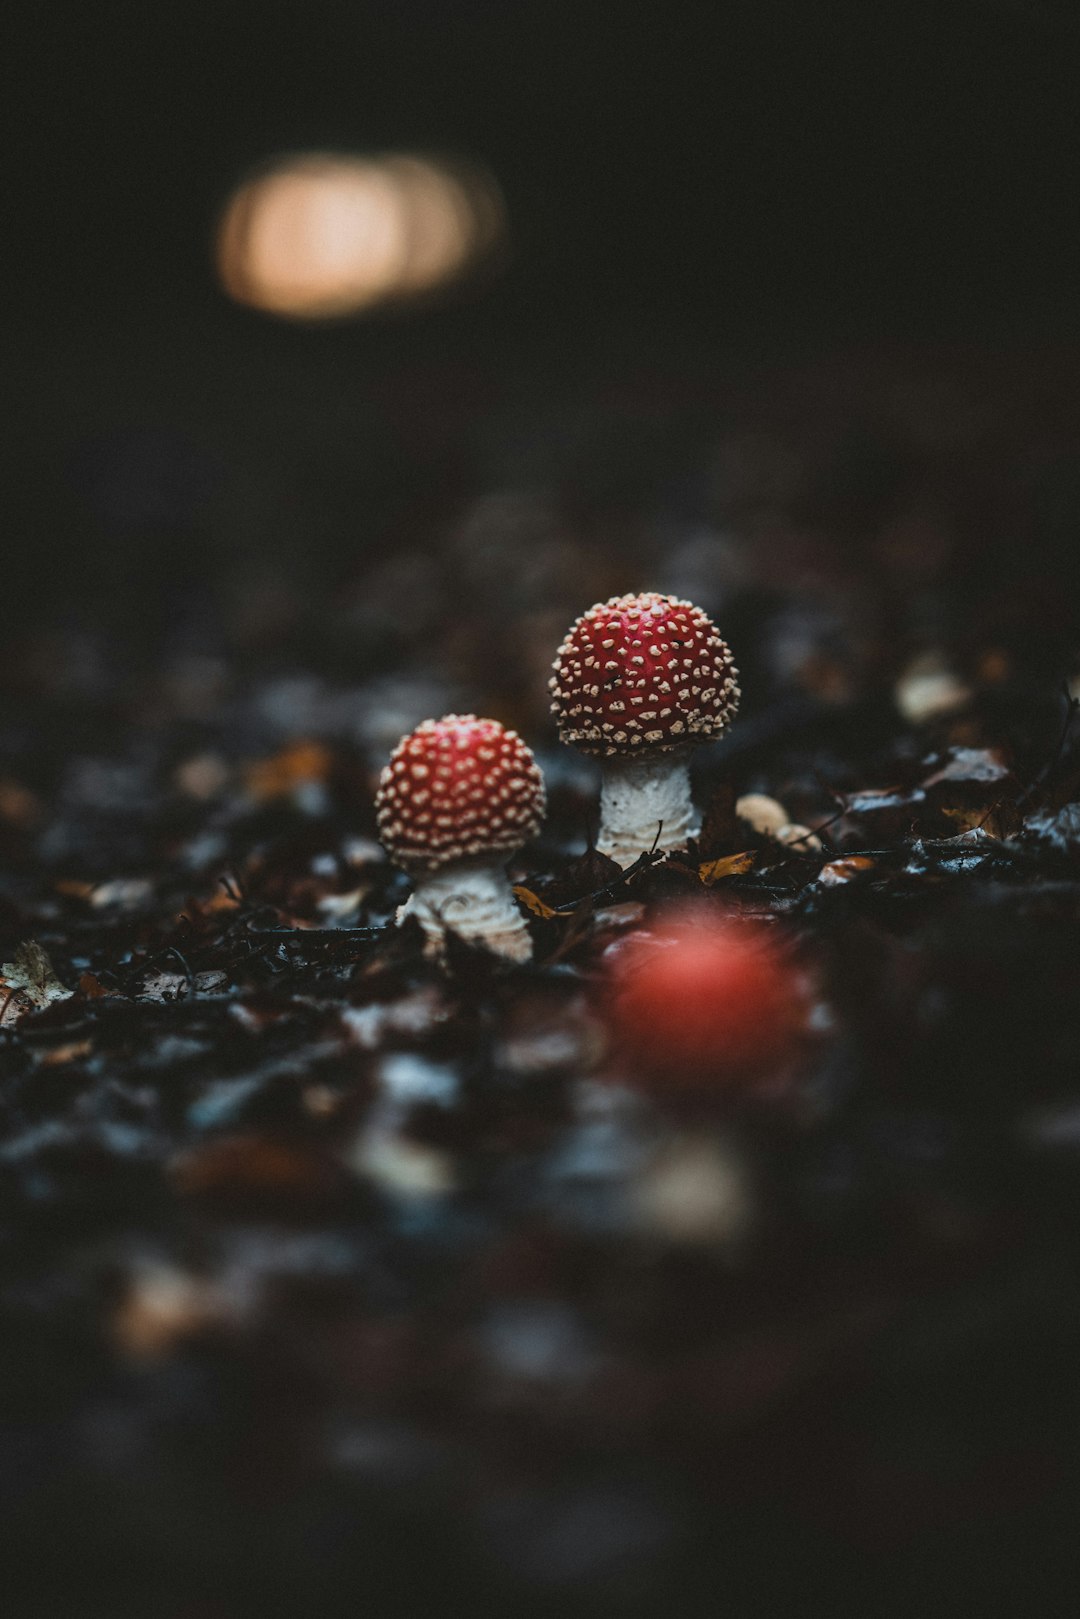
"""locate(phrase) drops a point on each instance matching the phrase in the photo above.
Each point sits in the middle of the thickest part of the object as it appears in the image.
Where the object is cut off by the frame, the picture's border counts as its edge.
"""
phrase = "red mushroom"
(459, 796)
(701, 1004)
(639, 681)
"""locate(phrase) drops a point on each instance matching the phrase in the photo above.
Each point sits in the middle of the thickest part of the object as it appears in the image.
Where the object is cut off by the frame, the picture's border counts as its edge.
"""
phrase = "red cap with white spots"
(459, 788)
(643, 672)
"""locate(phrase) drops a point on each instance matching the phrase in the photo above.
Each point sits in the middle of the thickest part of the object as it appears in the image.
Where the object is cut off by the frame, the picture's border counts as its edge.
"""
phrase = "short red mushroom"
(700, 1004)
(639, 682)
(459, 796)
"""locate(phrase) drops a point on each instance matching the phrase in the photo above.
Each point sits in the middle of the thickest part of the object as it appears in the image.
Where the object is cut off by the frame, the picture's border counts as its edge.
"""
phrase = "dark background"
(720, 166)
(701, 196)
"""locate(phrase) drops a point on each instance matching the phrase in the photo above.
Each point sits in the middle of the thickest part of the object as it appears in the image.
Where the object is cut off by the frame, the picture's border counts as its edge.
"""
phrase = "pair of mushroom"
(639, 681)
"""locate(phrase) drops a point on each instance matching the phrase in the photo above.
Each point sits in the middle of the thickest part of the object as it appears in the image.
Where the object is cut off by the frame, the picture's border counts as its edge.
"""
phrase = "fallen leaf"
(845, 870)
(970, 765)
(732, 865)
(1001, 821)
(293, 767)
(71, 1051)
(178, 986)
(534, 904)
(1059, 831)
(32, 972)
(589, 874)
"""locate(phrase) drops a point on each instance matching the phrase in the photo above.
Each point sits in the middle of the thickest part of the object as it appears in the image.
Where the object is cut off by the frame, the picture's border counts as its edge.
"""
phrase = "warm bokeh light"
(322, 235)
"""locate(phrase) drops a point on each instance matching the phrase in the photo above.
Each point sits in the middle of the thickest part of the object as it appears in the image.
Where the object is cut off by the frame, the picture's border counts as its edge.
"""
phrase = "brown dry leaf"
(534, 904)
(74, 888)
(218, 902)
(283, 772)
(1001, 821)
(732, 865)
(588, 874)
(71, 1051)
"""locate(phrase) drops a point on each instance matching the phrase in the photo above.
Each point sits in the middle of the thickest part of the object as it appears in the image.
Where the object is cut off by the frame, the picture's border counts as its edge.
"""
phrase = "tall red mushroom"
(639, 682)
(459, 796)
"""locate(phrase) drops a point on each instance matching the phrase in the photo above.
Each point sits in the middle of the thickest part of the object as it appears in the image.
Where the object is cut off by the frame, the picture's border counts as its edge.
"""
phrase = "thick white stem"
(474, 900)
(645, 801)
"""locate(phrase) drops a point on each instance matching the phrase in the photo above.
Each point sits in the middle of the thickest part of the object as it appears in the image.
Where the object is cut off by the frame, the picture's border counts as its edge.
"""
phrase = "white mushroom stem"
(645, 802)
(473, 899)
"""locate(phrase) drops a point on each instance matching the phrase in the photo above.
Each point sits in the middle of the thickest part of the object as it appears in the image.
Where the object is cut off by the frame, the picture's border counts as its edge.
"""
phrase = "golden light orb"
(321, 235)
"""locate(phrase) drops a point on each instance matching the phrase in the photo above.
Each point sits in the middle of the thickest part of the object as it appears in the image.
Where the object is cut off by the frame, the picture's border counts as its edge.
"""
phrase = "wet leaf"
(970, 765)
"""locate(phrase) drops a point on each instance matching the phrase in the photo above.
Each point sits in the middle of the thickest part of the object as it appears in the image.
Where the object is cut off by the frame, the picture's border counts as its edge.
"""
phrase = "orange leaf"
(732, 865)
(844, 870)
(73, 888)
(532, 903)
(279, 775)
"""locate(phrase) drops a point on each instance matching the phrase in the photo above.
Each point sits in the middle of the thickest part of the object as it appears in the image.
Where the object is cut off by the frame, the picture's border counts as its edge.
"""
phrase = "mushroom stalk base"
(646, 802)
(473, 900)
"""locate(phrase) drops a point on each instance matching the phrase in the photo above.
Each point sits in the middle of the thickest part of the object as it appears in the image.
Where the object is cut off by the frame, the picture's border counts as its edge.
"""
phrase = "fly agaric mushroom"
(639, 681)
(459, 796)
(700, 1004)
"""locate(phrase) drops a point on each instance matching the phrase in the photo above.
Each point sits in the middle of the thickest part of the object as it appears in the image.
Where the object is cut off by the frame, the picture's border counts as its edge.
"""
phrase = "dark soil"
(331, 1284)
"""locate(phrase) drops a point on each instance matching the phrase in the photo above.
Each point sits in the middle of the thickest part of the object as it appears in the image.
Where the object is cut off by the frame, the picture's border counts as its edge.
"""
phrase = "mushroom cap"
(459, 788)
(642, 672)
(700, 1003)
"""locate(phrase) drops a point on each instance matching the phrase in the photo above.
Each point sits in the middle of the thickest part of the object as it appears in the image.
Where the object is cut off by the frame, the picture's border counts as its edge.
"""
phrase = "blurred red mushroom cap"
(697, 1003)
